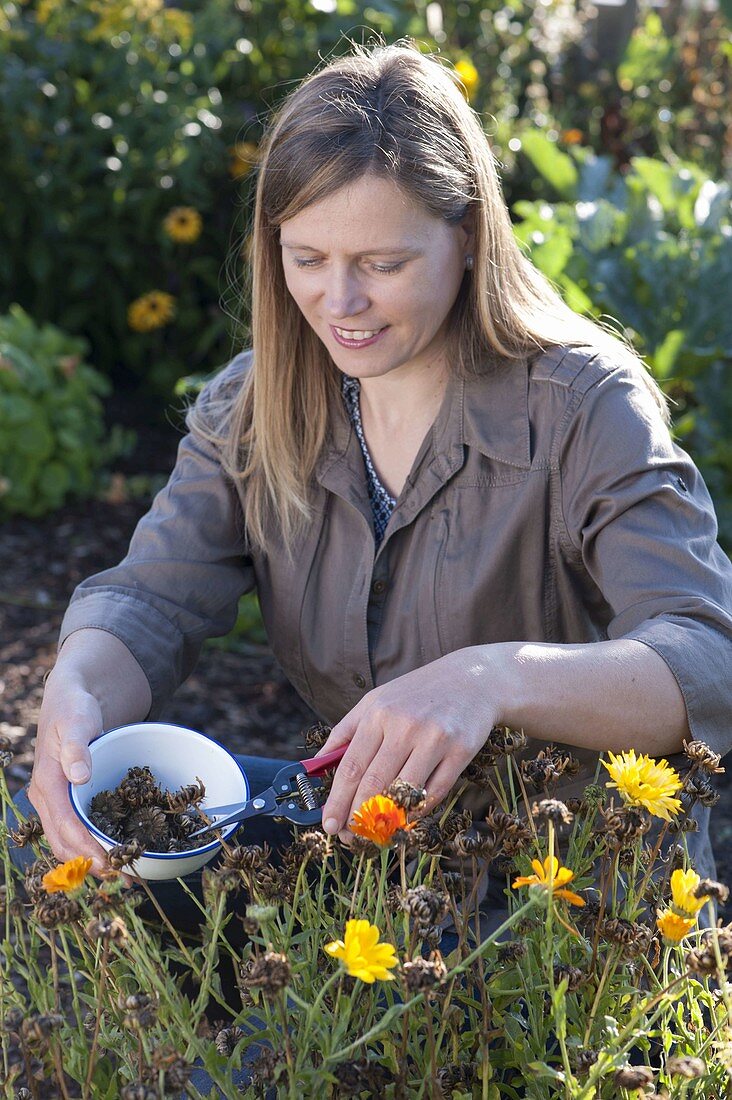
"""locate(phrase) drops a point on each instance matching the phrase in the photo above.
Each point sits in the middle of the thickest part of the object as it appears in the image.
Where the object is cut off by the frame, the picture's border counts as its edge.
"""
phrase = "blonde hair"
(394, 112)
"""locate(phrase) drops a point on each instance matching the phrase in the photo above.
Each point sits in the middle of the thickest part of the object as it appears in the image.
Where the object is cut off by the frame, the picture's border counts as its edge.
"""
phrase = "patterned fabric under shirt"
(382, 504)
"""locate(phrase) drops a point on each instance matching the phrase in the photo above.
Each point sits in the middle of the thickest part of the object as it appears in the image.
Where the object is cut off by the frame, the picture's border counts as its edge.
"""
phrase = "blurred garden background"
(129, 132)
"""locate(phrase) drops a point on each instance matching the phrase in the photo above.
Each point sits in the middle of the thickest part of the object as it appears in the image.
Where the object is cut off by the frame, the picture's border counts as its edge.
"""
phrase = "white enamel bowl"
(175, 756)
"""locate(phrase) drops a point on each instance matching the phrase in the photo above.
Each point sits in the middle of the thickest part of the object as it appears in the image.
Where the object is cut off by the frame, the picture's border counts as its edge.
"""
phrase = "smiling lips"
(356, 337)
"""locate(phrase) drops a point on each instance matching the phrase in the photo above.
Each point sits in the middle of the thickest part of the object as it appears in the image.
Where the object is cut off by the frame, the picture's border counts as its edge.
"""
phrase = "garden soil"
(240, 698)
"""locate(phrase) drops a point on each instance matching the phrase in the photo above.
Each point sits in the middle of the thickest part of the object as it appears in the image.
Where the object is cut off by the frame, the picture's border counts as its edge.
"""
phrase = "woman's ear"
(468, 227)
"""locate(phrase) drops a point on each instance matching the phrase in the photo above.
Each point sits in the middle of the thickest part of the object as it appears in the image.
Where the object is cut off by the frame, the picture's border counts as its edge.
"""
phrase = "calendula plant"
(366, 970)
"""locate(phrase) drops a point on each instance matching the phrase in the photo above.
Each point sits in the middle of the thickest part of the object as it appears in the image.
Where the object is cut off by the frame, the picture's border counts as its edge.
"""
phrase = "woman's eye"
(383, 269)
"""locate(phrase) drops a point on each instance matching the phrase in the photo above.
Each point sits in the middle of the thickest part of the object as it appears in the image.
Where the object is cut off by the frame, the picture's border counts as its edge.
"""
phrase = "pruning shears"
(293, 781)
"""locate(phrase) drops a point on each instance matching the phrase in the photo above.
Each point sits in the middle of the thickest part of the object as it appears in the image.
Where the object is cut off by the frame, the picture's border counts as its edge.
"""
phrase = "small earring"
(469, 263)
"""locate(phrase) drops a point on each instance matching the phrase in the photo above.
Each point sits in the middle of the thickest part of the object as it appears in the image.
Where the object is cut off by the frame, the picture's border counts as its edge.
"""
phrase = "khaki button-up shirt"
(547, 503)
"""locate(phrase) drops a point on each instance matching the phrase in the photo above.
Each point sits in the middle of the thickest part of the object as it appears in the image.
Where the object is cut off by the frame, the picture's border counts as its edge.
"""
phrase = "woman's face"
(375, 276)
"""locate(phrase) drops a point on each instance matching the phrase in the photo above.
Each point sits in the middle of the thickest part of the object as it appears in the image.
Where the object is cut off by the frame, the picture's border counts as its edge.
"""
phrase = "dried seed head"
(315, 845)
(270, 884)
(174, 1068)
(480, 845)
(138, 1090)
(551, 809)
(422, 975)
(227, 1039)
(123, 854)
(37, 1029)
(12, 1020)
(107, 929)
(247, 857)
(709, 887)
(697, 788)
(316, 736)
(264, 1067)
(361, 845)
(140, 1010)
(683, 824)
(55, 910)
(28, 832)
(406, 795)
(427, 837)
(149, 826)
(270, 972)
(625, 933)
(623, 826)
(510, 953)
(573, 976)
(6, 758)
(456, 1075)
(139, 788)
(634, 1077)
(583, 1061)
(506, 742)
(431, 935)
(456, 822)
(700, 754)
(424, 905)
(686, 1066)
(192, 794)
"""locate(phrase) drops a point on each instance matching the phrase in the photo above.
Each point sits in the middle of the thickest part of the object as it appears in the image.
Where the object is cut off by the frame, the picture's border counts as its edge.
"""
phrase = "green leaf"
(543, 1069)
(663, 360)
(556, 167)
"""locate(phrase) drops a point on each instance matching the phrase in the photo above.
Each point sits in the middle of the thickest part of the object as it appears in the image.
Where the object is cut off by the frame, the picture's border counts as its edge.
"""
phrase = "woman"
(458, 501)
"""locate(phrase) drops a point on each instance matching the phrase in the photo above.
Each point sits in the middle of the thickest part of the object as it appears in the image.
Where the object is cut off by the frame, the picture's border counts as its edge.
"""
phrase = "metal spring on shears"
(305, 788)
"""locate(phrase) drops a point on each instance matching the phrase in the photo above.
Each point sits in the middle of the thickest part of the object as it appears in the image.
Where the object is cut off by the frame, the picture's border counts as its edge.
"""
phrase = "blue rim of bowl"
(231, 829)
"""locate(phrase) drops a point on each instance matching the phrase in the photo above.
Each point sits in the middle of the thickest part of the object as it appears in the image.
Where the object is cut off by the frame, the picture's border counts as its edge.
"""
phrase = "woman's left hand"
(424, 727)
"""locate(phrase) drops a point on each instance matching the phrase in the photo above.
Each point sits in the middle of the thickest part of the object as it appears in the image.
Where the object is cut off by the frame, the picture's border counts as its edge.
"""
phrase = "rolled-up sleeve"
(637, 511)
(182, 577)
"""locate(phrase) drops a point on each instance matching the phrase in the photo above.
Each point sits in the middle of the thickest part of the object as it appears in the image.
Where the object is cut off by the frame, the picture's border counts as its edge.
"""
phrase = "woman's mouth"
(357, 338)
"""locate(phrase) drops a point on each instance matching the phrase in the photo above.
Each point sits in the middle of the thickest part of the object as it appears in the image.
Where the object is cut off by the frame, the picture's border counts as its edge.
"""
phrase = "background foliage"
(613, 128)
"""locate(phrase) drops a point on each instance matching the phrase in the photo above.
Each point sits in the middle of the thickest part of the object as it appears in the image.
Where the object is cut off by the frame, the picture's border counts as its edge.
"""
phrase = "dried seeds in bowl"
(140, 809)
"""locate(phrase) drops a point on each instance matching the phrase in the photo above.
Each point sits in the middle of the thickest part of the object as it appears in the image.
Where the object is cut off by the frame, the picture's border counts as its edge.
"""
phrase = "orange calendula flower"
(550, 876)
(645, 782)
(378, 819)
(572, 137)
(683, 885)
(67, 877)
(362, 954)
(673, 927)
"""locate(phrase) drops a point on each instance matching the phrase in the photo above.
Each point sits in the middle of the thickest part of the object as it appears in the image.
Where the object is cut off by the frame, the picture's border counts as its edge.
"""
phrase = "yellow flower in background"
(151, 311)
(468, 74)
(683, 885)
(245, 155)
(362, 954)
(550, 875)
(67, 876)
(672, 927)
(183, 225)
(645, 782)
(378, 818)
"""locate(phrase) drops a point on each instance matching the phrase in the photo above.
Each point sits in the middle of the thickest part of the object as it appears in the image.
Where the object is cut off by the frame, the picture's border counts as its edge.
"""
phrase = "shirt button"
(378, 587)
(682, 485)
(359, 680)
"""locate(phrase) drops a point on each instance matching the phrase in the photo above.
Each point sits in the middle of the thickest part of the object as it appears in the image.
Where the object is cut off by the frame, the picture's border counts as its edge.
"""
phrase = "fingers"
(65, 833)
(354, 766)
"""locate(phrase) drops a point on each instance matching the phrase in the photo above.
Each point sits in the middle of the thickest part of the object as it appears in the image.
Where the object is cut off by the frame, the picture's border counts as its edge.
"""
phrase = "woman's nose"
(344, 295)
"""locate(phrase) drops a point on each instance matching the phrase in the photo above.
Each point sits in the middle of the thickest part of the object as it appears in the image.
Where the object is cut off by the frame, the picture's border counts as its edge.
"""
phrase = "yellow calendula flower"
(550, 875)
(468, 74)
(245, 154)
(645, 782)
(362, 954)
(673, 927)
(183, 225)
(378, 818)
(151, 311)
(67, 877)
(683, 885)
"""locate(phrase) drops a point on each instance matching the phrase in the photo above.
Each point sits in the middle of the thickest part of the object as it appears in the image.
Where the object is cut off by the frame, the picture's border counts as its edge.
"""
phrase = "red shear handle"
(321, 764)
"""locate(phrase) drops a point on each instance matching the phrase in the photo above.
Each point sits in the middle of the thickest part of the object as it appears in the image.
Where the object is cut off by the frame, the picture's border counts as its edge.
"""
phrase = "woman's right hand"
(70, 718)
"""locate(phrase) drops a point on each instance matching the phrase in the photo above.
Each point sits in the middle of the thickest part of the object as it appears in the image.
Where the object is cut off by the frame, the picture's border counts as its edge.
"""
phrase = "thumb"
(74, 754)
